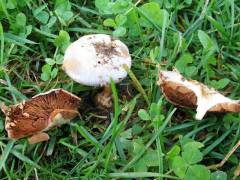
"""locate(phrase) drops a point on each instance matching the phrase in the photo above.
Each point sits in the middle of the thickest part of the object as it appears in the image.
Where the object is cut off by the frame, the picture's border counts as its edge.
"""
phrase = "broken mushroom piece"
(93, 60)
(193, 94)
(33, 117)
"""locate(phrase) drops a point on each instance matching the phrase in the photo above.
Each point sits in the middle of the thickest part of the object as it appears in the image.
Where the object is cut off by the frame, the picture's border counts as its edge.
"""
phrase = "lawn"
(143, 136)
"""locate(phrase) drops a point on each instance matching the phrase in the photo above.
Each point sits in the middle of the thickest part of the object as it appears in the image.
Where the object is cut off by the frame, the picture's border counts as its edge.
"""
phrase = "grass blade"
(140, 175)
(24, 158)
(218, 26)
(18, 39)
(87, 135)
(5, 153)
(2, 44)
(218, 141)
(137, 84)
(74, 148)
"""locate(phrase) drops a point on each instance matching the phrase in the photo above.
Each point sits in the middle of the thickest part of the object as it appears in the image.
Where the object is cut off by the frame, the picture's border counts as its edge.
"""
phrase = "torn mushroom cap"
(93, 59)
(40, 113)
(193, 94)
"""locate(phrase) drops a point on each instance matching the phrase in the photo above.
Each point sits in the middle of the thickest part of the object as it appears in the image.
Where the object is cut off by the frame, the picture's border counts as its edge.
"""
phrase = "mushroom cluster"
(95, 60)
(92, 60)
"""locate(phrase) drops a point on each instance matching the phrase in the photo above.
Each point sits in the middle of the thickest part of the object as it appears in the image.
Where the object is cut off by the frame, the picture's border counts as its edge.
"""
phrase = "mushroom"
(93, 60)
(31, 118)
(193, 94)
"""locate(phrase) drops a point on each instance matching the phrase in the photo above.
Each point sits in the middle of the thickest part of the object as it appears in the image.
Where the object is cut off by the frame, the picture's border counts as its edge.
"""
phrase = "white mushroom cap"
(94, 59)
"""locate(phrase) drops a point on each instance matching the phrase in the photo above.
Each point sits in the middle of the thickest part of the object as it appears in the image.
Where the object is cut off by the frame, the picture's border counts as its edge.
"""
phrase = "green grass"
(143, 136)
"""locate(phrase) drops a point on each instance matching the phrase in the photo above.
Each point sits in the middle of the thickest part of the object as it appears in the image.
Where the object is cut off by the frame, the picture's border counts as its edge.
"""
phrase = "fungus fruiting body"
(33, 117)
(193, 94)
(93, 60)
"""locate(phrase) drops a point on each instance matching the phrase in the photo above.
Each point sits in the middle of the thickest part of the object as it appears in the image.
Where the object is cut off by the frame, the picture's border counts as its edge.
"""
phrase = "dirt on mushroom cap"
(93, 59)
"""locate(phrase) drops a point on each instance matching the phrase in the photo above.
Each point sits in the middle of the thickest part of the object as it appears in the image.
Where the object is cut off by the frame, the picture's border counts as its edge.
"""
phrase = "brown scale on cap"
(107, 50)
(40, 113)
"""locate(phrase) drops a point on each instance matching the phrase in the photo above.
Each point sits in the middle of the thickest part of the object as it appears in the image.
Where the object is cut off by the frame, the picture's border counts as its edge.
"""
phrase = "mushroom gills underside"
(193, 94)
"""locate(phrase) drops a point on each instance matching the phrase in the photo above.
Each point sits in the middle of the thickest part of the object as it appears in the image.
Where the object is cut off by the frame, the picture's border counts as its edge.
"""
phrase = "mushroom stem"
(107, 91)
(104, 98)
(39, 137)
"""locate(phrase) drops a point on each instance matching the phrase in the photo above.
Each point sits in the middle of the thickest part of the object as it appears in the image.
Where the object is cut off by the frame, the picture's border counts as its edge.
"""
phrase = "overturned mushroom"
(93, 60)
(33, 117)
(193, 94)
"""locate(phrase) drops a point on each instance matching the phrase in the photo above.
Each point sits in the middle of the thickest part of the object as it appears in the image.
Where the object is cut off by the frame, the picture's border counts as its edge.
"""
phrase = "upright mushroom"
(33, 117)
(93, 60)
(193, 94)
